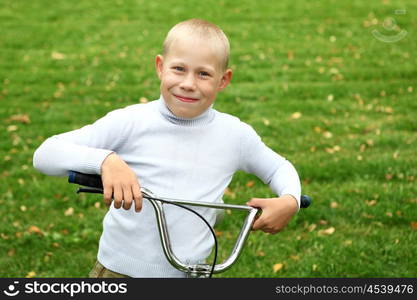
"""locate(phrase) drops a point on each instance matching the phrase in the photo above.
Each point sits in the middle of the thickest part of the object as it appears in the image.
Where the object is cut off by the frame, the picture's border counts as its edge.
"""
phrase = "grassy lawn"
(317, 80)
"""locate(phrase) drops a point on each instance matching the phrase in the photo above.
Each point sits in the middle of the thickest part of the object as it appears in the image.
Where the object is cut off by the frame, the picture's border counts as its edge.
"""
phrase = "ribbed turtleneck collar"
(203, 119)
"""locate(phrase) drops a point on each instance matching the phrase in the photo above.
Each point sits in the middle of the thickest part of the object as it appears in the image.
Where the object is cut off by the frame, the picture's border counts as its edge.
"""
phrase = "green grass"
(354, 144)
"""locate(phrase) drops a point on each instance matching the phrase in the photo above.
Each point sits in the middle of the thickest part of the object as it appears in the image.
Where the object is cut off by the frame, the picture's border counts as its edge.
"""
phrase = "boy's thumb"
(255, 202)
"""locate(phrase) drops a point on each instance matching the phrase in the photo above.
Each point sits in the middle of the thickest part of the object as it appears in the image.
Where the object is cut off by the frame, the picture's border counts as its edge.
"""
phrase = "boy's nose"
(188, 83)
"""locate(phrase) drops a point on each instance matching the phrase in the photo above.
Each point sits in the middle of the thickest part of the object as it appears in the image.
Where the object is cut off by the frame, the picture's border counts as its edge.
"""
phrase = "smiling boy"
(178, 146)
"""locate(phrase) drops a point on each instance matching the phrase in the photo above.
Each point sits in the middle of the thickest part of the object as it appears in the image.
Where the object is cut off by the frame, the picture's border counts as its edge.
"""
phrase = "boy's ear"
(226, 78)
(159, 63)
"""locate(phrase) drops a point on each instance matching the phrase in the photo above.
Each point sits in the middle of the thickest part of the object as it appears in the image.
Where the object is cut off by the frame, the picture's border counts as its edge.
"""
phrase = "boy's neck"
(205, 118)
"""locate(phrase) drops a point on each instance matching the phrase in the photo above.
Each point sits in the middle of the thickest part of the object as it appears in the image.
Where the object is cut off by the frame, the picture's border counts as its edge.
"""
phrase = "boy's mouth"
(186, 99)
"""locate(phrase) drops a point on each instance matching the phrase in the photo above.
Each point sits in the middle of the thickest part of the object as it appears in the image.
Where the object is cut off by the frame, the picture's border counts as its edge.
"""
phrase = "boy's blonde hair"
(201, 29)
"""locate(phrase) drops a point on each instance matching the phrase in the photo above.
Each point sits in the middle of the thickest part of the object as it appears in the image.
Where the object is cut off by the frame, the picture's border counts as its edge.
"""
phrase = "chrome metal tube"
(157, 203)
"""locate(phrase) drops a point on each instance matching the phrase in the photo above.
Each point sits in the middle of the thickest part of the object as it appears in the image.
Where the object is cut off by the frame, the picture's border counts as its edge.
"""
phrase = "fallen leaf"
(347, 242)
(260, 253)
(296, 115)
(35, 229)
(370, 202)
(277, 267)
(57, 55)
(143, 100)
(11, 252)
(327, 231)
(21, 118)
(414, 225)
(31, 274)
(69, 212)
(250, 183)
(327, 134)
(228, 192)
(311, 227)
(317, 129)
(12, 128)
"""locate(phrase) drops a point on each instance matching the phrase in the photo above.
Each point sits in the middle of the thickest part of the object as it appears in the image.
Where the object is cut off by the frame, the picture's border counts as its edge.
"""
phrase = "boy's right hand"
(120, 183)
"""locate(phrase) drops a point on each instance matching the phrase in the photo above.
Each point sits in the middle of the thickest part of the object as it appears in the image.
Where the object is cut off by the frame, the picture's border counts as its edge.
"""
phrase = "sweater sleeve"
(81, 150)
(273, 169)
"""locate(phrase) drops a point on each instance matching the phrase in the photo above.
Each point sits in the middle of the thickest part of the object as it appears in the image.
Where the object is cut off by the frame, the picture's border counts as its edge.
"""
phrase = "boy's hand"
(121, 183)
(276, 212)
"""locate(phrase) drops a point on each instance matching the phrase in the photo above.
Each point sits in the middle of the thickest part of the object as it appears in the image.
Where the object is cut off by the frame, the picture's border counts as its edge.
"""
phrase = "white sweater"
(191, 159)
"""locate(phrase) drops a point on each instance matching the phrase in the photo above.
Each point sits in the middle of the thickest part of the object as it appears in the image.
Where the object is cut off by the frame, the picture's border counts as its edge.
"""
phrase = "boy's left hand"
(276, 212)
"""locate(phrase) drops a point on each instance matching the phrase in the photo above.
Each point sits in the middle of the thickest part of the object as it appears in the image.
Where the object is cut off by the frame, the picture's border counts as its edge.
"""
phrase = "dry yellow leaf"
(21, 118)
(11, 252)
(31, 274)
(12, 128)
(414, 225)
(35, 229)
(296, 115)
(69, 212)
(228, 192)
(370, 202)
(327, 134)
(311, 227)
(57, 55)
(250, 183)
(277, 267)
(327, 231)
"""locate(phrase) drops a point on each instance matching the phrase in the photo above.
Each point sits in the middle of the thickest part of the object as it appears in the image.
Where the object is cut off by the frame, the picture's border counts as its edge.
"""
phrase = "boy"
(177, 146)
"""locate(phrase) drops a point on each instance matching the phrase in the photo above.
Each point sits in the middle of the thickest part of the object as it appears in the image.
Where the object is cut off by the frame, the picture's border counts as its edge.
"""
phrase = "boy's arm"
(277, 212)
(92, 150)
(279, 174)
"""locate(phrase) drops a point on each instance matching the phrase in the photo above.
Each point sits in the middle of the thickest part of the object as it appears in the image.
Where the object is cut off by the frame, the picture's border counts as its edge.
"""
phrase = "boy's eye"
(204, 74)
(178, 68)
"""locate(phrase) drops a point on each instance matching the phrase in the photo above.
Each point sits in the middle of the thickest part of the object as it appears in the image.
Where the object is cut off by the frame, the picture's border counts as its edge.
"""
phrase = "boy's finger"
(107, 194)
(118, 196)
(127, 197)
(137, 196)
(255, 202)
(258, 224)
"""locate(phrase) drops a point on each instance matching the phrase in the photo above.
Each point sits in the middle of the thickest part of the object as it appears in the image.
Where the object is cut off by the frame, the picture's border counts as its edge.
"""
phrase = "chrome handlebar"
(198, 269)
(193, 270)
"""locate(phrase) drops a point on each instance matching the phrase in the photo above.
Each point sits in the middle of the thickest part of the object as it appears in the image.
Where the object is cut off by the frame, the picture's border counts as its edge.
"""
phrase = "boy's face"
(191, 75)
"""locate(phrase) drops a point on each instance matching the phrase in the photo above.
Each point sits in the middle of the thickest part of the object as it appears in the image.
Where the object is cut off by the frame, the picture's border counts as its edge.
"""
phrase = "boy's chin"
(185, 114)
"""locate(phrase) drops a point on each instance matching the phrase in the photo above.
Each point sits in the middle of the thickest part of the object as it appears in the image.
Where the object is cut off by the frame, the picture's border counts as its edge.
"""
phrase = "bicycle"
(93, 184)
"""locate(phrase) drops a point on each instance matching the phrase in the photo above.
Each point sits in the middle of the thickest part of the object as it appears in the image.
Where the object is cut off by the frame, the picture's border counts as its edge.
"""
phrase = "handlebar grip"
(90, 180)
(305, 201)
